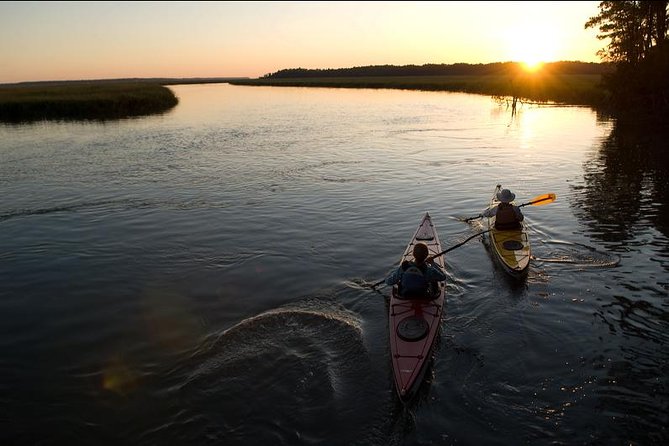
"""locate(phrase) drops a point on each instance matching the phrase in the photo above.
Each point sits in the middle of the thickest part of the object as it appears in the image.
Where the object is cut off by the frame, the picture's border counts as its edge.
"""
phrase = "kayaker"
(416, 278)
(507, 215)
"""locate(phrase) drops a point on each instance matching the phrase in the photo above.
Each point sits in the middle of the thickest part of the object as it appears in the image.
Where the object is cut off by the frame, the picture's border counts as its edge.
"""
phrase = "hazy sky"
(98, 40)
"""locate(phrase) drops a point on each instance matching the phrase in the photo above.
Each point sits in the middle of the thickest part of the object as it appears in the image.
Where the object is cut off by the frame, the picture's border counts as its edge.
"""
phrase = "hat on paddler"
(506, 196)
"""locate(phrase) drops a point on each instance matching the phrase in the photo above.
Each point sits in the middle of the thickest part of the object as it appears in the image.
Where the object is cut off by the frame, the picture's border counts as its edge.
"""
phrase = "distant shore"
(564, 82)
(569, 89)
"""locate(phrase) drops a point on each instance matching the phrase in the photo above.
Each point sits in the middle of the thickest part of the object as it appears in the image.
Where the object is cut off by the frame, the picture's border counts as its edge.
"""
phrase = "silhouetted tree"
(637, 33)
(633, 27)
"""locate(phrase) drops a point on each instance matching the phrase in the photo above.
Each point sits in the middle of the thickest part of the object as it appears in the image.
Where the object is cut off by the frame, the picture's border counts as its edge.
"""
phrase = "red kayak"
(414, 323)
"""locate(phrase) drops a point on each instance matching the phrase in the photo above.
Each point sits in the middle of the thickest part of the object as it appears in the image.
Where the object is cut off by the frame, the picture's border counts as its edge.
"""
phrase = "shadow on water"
(626, 183)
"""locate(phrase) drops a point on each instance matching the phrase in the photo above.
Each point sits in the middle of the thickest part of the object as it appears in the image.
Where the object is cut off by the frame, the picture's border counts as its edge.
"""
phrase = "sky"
(109, 40)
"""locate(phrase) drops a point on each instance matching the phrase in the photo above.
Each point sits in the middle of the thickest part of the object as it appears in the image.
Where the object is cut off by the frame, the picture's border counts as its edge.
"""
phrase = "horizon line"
(212, 78)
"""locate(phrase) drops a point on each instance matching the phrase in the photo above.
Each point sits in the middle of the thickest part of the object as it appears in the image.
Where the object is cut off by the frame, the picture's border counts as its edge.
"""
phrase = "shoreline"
(562, 89)
(118, 99)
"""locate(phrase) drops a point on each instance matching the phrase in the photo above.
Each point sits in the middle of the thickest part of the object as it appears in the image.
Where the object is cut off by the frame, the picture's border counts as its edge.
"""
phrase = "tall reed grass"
(83, 101)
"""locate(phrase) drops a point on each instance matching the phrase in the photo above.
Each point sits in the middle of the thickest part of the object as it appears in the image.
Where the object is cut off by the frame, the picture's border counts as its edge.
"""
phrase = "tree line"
(457, 69)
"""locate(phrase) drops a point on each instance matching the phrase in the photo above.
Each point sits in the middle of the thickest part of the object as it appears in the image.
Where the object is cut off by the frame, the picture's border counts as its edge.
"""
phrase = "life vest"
(505, 217)
(413, 284)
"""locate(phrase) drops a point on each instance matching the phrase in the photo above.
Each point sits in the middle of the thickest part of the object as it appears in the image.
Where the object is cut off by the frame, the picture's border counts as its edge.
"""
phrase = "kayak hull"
(511, 248)
(414, 324)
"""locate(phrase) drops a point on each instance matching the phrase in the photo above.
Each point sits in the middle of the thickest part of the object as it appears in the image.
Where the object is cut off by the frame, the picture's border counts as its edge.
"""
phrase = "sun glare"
(532, 65)
(532, 46)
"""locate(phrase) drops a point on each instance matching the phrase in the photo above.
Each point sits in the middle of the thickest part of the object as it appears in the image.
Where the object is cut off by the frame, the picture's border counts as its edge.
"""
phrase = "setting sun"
(532, 46)
(532, 65)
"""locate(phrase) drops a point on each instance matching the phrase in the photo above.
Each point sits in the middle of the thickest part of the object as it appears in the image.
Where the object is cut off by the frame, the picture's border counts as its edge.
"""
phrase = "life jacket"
(413, 284)
(505, 217)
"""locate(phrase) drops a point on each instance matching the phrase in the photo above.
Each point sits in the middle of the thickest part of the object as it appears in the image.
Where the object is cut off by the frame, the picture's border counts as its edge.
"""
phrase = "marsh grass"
(83, 101)
(572, 89)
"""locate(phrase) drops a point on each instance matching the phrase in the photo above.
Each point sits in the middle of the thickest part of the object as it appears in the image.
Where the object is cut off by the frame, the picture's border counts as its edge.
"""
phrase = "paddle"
(440, 254)
(539, 200)
(458, 245)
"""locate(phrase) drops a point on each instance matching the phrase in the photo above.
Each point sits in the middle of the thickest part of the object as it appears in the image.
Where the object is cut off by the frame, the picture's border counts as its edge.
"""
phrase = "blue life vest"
(413, 283)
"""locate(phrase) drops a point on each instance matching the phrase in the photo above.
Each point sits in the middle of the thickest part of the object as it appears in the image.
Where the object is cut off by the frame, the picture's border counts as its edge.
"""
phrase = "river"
(200, 277)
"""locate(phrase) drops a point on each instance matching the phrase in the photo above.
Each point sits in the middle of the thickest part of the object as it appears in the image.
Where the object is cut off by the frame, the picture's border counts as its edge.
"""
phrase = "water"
(199, 277)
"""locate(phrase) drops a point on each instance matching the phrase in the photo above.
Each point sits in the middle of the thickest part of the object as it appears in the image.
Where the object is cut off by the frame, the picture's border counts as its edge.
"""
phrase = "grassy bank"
(573, 89)
(83, 101)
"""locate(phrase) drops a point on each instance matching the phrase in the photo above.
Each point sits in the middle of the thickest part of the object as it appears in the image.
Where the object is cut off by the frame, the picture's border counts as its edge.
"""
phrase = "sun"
(532, 46)
(532, 65)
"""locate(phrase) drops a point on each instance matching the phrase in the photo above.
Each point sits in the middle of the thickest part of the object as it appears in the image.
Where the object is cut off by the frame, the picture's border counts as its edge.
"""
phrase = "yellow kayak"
(511, 247)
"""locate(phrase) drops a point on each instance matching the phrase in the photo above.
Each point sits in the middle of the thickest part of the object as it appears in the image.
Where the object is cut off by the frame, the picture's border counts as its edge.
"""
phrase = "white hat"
(506, 196)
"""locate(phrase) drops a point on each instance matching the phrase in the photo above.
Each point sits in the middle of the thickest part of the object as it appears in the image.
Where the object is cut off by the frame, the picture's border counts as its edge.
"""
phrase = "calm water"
(199, 277)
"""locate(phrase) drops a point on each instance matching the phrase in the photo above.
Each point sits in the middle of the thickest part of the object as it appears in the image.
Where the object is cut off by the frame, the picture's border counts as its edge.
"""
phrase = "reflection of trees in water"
(626, 182)
(634, 384)
(625, 193)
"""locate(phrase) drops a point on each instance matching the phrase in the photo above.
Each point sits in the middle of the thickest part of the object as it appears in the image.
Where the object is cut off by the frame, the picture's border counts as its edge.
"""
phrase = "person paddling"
(507, 215)
(416, 278)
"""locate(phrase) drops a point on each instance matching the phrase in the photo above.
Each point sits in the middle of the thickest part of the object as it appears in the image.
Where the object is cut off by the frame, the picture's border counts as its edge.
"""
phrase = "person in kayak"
(507, 215)
(417, 279)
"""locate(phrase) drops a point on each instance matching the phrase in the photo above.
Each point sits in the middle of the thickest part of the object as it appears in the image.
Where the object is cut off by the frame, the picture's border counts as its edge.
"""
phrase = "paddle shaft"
(378, 283)
(459, 244)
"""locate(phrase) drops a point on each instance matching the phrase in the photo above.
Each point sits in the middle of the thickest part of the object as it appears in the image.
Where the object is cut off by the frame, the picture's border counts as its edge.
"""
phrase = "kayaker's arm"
(490, 212)
(394, 278)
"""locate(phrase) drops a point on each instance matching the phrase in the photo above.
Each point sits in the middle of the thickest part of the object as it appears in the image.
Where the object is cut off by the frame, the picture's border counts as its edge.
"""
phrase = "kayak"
(510, 247)
(414, 323)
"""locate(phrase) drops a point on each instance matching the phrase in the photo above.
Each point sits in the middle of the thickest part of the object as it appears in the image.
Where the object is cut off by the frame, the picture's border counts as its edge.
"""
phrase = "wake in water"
(290, 375)
(575, 254)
